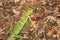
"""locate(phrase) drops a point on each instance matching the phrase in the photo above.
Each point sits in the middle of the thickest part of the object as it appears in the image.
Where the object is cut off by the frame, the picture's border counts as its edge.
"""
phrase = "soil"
(43, 23)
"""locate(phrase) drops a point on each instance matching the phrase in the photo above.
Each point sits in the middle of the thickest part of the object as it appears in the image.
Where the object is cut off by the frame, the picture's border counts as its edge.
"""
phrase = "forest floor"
(43, 23)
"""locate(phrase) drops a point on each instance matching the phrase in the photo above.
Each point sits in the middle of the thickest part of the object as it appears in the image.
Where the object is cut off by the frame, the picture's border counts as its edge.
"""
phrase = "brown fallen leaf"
(47, 11)
(58, 22)
(36, 15)
(58, 34)
(57, 14)
(32, 23)
(50, 31)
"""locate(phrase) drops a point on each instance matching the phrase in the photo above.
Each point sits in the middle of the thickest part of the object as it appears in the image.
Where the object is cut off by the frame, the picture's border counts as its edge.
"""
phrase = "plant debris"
(43, 23)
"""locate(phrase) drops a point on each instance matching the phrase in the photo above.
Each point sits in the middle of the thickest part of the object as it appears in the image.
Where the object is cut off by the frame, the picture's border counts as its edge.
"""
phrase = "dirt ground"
(43, 23)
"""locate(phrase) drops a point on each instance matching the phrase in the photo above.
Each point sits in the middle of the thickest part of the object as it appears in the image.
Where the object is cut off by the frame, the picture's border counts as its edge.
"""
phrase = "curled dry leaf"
(36, 15)
(51, 30)
(58, 22)
(49, 18)
(58, 34)
(23, 2)
(32, 23)
(32, 1)
(16, 1)
(57, 14)
(47, 11)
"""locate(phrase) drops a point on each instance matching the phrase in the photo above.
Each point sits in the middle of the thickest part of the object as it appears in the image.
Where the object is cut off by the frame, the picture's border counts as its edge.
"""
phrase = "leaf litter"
(43, 23)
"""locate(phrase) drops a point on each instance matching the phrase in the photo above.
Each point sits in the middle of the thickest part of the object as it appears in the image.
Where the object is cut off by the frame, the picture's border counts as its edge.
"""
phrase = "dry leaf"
(36, 15)
(57, 14)
(47, 11)
(58, 22)
(51, 30)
